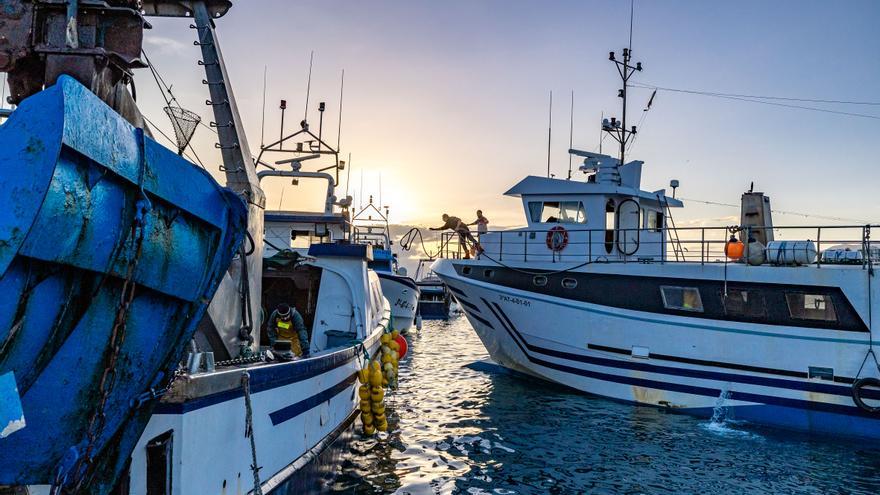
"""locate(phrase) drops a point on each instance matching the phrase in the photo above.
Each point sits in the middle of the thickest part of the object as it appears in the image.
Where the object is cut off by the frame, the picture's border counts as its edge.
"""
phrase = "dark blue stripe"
(269, 377)
(674, 387)
(294, 410)
(479, 319)
(399, 279)
(468, 304)
(457, 291)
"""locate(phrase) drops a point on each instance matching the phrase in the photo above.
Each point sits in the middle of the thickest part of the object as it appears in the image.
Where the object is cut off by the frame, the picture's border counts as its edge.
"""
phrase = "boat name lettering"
(515, 300)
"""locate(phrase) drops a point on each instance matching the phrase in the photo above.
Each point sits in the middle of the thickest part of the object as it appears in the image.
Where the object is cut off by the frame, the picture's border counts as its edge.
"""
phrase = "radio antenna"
(309, 87)
(617, 129)
(263, 118)
(549, 132)
(570, 133)
(339, 125)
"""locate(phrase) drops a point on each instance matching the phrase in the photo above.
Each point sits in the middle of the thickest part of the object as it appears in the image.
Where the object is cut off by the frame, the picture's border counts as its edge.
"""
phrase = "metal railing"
(691, 244)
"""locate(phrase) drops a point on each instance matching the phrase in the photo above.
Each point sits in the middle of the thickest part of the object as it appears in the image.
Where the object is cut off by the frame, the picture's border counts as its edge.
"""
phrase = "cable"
(755, 99)
(783, 98)
(781, 212)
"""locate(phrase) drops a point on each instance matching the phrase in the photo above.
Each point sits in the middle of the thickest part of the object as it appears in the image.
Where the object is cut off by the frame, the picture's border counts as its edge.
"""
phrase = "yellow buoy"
(364, 375)
(369, 430)
(376, 375)
(365, 406)
(377, 394)
(364, 392)
(394, 334)
(378, 409)
(367, 418)
(385, 338)
(394, 346)
(383, 426)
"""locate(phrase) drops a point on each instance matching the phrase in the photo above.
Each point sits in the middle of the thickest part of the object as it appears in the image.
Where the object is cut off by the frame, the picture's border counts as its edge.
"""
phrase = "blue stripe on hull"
(294, 410)
(782, 412)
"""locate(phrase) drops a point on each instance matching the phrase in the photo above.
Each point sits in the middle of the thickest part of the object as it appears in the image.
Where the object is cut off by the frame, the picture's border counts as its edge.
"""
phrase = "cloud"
(162, 44)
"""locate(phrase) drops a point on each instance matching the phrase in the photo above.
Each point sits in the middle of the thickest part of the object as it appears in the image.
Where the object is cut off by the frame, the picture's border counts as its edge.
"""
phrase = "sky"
(446, 103)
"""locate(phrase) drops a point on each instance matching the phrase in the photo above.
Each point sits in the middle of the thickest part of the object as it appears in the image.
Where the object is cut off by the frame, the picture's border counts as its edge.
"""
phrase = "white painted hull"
(692, 361)
(296, 407)
(403, 295)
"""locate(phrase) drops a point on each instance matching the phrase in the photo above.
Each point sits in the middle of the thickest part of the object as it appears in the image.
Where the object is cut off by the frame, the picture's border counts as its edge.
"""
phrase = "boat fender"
(857, 387)
(557, 239)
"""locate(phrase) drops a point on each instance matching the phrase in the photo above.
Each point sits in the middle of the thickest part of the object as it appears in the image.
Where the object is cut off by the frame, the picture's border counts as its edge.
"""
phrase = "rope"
(249, 431)
(407, 239)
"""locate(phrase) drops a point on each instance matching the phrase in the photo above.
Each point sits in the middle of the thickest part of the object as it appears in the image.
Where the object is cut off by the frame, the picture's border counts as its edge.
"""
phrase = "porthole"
(569, 283)
(488, 273)
(466, 270)
(539, 280)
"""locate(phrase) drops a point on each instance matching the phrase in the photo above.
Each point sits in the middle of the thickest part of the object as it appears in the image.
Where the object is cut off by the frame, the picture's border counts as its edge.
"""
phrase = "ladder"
(673, 233)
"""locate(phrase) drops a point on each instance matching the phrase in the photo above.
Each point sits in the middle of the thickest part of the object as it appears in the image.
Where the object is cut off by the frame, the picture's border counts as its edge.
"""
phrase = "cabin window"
(466, 270)
(488, 273)
(569, 283)
(558, 212)
(744, 303)
(653, 220)
(609, 226)
(539, 280)
(815, 307)
(681, 298)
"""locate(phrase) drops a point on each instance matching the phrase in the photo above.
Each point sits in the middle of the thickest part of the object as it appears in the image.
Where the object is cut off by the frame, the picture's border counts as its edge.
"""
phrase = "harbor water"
(464, 426)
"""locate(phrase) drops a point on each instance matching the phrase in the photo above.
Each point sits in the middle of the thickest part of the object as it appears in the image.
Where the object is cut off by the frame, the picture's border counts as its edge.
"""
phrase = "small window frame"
(540, 280)
(800, 300)
(569, 283)
(759, 301)
(669, 305)
(488, 273)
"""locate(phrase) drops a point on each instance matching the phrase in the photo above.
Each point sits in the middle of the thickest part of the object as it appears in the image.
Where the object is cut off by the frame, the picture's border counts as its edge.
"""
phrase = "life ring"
(857, 387)
(557, 239)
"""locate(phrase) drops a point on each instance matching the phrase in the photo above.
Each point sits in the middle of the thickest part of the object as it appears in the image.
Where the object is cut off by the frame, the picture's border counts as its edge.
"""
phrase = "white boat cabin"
(605, 218)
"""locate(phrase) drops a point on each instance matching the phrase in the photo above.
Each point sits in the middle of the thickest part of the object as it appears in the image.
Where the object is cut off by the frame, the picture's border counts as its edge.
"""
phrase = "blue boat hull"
(94, 213)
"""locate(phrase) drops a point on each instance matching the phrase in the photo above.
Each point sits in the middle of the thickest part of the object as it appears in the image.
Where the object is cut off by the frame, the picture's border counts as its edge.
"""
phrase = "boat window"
(569, 283)
(159, 464)
(653, 220)
(609, 225)
(466, 270)
(558, 212)
(488, 273)
(539, 280)
(746, 303)
(681, 298)
(817, 307)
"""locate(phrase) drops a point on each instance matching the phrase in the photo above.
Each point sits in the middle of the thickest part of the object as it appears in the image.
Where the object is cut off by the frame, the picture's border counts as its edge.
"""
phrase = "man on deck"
(464, 233)
(286, 323)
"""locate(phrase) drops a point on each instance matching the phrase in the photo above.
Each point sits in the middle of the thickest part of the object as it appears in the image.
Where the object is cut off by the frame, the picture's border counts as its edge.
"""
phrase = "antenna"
(263, 118)
(617, 129)
(339, 125)
(570, 133)
(308, 87)
(283, 107)
(549, 132)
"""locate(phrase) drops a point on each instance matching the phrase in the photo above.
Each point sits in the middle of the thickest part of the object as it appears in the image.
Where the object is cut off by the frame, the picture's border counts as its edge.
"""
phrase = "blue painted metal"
(11, 415)
(360, 251)
(73, 176)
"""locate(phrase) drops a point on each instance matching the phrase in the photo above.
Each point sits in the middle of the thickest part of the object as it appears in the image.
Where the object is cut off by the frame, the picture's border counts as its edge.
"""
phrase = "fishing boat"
(602, 293)
(435, 301)
(112, 247)
(400, 289)
(231, 414)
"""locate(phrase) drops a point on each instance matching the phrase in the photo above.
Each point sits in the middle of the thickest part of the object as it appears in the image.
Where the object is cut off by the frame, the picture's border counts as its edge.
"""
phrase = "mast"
(617, 128)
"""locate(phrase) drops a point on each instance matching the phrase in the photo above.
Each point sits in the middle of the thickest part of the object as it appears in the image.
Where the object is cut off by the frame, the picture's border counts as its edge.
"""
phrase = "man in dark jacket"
(286, 323)
(464, 233)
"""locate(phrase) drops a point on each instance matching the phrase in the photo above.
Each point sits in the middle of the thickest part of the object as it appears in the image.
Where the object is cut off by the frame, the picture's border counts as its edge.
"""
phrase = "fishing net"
(184, 123)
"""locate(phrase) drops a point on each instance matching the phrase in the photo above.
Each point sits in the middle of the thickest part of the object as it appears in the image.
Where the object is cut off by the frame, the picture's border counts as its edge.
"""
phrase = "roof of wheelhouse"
(544, 186)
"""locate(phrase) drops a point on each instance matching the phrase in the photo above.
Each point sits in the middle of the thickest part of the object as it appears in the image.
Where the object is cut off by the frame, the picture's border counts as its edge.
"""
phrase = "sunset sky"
(448, 101)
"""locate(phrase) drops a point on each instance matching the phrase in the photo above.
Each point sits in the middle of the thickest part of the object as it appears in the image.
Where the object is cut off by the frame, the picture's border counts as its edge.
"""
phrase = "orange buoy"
(734, 248)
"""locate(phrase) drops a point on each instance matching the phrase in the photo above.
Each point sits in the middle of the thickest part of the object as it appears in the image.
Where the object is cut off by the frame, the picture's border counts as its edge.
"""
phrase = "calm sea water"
(469, 429)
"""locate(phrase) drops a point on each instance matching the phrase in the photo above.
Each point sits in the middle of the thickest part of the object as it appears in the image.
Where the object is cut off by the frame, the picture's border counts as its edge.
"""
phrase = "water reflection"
(473, 429)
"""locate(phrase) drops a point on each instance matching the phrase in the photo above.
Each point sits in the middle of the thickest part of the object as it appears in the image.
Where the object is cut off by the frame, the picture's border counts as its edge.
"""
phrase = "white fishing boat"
(601, 292)
(244, 416)
(370, 227)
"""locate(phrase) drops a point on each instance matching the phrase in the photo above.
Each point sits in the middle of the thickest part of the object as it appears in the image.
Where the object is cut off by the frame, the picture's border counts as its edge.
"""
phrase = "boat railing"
(563, 244)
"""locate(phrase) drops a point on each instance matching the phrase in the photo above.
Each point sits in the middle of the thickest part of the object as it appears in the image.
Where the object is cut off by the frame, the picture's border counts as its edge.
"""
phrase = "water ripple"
(460, 429)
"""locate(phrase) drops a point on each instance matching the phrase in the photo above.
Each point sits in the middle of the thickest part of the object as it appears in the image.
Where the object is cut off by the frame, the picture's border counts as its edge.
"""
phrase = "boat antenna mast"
(617, 128)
